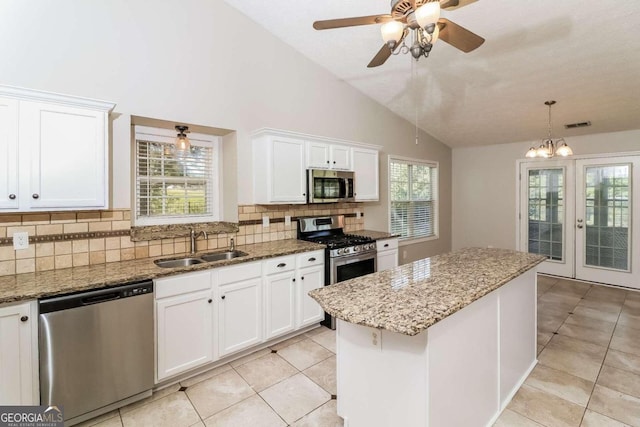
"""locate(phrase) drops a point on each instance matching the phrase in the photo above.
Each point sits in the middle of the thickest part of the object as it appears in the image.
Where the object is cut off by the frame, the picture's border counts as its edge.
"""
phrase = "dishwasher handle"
(100, 298)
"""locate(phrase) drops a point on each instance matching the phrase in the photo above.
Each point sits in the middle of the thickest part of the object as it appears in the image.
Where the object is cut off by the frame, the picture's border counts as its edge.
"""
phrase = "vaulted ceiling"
(585, 54)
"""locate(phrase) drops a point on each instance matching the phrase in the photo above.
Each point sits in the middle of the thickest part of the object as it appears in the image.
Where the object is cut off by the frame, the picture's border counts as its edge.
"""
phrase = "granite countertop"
(375, 235)
(30, 286)
(412, 297)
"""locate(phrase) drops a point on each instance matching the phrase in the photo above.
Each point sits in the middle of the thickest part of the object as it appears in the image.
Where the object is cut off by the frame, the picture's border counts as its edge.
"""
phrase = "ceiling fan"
(420, 17)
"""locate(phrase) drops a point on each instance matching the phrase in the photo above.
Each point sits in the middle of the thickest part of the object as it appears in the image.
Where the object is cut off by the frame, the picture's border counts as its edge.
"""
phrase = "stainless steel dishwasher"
(96, 349)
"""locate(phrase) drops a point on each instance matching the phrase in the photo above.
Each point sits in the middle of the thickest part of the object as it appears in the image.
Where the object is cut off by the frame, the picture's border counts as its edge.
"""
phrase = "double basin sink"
(187, 261)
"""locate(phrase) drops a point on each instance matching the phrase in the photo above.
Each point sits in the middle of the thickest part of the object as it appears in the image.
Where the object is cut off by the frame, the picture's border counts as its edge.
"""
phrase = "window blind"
(173, 183)
(413, 188)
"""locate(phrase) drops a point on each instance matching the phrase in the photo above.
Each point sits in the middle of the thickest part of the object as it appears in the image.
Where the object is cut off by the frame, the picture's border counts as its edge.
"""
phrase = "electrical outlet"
(287, 220)
(265, 222)
(357, 214)
(21, 240)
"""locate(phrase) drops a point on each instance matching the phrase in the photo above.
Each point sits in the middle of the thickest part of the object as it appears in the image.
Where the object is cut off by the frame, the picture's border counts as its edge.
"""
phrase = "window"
(172, 186)
(413, 191)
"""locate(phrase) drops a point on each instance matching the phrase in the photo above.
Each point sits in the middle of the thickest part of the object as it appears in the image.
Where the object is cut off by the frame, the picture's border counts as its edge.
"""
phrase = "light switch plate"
(287, 220)
(265, 221)
(21, 240)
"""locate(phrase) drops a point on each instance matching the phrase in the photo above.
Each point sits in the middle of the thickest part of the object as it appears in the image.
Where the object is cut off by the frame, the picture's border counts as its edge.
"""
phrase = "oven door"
(349, 267)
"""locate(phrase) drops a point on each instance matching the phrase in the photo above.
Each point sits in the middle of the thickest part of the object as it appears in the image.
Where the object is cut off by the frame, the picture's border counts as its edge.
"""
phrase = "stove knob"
(356, 248)
(340, 251)
(367, 247)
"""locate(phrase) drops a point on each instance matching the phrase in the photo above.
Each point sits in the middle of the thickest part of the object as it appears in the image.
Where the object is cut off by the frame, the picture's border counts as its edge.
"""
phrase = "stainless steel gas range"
(346, 255)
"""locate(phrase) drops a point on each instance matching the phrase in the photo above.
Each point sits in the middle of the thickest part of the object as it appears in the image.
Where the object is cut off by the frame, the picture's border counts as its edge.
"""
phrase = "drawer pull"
(223, 297)
(386, 245)
(282, 264)
(302, 278)
(210, 300)
(12, 196)
(312, 259)
(35, 195)
(24, 318)
(294, 279)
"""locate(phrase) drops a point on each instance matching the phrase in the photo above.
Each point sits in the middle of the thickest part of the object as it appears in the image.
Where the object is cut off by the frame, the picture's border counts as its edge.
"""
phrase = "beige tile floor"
(588, 374)
(292, 383)
(588, 371)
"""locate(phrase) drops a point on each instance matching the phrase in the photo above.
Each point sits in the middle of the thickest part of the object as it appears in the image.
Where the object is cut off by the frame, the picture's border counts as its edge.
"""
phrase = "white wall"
(199, 62)
(484, 186)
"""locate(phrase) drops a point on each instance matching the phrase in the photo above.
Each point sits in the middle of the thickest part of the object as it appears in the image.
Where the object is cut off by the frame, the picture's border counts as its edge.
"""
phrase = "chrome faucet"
(194, 236)
(232, 245)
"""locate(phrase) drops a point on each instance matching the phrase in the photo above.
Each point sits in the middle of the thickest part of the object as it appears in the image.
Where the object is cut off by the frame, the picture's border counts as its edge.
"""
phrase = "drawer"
(182, 284)
(386, 244)
(239, 273)
(310, 259)
(280, 264)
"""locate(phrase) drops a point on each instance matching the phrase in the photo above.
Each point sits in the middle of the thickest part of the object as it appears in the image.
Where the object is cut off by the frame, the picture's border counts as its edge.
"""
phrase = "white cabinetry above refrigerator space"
(54, 149)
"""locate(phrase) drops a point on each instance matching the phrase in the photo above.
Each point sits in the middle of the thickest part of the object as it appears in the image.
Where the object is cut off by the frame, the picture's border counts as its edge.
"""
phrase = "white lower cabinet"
(184, 318)
(207, 315)
(279, 290)
(239, 305)
(19, 354)
(387, 257)
(310, 276)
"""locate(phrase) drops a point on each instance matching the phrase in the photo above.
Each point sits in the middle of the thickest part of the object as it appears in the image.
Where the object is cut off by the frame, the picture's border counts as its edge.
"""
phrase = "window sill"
(413, 240)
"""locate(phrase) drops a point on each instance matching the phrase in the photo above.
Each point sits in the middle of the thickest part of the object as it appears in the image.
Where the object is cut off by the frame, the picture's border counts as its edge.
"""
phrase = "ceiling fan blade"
(458, 37)
(455, 4)
(381, 57)
(384, 53)
(351, 22)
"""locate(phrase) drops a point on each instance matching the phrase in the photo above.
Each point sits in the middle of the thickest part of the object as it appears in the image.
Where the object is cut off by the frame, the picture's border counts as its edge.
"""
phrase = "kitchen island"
(444, 341)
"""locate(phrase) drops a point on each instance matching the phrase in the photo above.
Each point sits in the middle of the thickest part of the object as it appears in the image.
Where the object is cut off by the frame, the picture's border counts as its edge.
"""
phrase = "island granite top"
(413, 297)
(29, 286)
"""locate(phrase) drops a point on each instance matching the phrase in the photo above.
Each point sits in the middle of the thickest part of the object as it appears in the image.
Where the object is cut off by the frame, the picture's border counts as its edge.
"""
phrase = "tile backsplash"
(70, 239)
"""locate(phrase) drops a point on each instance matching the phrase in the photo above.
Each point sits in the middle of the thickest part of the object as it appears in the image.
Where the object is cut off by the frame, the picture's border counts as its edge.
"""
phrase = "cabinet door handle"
(24, 318)
(35, 195)
(282, 264)
(327, 161)
(210, 300)
(302, 278)
(386, 245)
(222, 297)
(312, 259)
(294, 279)
(12, 196)
(334, 162)
(304, 194)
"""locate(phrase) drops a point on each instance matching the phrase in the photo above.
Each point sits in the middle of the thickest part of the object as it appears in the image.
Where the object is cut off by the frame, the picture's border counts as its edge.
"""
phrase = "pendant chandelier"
(550, 147)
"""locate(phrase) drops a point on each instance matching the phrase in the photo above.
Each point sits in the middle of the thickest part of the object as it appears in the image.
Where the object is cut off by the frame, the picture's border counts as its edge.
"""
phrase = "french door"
(583, 216)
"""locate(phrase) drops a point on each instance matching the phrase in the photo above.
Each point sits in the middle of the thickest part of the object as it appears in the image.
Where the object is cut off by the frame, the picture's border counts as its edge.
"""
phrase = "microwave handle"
(348, 190)
(343, 188)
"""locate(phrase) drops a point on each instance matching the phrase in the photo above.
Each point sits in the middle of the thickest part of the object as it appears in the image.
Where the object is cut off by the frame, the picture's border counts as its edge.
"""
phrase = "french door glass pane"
(546, 212)
(607, 216)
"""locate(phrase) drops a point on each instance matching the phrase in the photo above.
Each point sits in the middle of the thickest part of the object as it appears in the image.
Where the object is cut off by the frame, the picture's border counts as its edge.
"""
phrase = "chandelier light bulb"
(564, 150)
(428, 13)
(532, 153)
(182, 142)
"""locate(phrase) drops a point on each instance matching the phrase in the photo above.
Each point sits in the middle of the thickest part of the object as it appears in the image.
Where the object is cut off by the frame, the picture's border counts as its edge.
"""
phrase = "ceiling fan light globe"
(392, 32)
(183, 143)
(435, 35)
(428, 13)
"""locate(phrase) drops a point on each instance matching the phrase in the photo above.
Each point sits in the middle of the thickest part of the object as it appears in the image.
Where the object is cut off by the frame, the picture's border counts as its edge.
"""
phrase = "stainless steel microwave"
(327, 186)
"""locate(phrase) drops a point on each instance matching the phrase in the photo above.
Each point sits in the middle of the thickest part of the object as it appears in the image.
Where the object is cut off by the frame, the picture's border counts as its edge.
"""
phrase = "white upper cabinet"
(8, 153)
(321, 155)
(60, 146)
(366, 171)
(281, 159)
(279, 170)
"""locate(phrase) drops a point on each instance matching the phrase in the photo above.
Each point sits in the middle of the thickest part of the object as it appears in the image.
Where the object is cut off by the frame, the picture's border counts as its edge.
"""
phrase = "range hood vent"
(578, 125)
